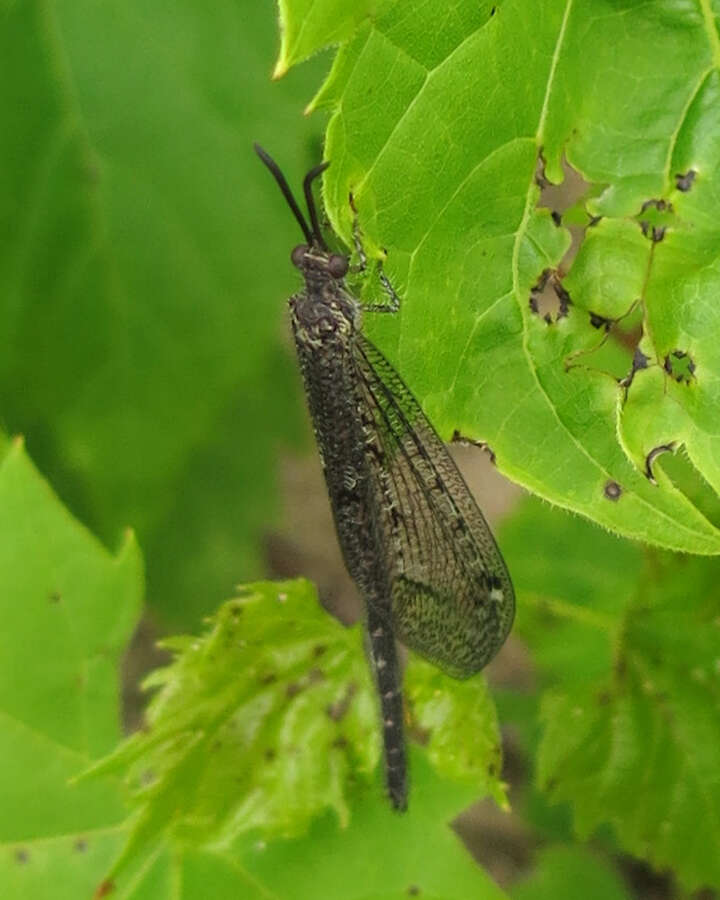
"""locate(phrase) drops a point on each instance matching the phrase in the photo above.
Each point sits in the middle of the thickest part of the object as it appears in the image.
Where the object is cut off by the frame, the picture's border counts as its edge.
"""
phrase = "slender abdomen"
(335, 407)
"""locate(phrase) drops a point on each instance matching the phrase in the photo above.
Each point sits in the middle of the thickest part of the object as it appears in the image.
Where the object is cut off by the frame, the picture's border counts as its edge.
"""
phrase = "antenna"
(310, 200)
(310, 237)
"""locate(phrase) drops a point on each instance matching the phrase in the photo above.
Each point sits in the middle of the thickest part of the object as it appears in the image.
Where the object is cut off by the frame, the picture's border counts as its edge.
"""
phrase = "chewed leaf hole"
(680, 366)
(654, 218)
(458, 438)
(567, 203)
(548, 298)
(653, 455)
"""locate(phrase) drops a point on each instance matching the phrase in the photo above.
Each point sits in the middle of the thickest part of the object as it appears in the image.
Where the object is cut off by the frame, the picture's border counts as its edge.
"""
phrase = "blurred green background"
(144, 272)
(143, 277)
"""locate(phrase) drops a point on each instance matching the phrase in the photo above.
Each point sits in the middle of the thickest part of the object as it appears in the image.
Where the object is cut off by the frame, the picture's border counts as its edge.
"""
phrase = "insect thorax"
(324, 312)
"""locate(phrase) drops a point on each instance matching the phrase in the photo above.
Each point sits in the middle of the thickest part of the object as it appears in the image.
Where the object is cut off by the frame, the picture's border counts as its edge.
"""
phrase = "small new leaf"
(259, 724)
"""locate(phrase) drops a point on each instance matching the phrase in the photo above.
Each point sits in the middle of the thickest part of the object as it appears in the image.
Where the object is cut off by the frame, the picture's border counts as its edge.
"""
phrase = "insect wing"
(452, 600)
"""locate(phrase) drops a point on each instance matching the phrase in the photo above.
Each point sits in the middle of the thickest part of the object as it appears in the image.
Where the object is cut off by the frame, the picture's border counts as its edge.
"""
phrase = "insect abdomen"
(331, 388)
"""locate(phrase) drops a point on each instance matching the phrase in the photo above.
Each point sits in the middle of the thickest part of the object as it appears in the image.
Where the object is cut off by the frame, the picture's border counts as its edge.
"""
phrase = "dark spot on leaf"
(556, 217)
(640, 361)
(655, 233)
(55, 597)
(685, 182)
(270, 754)
(600, 321)
(315, 676)
(80, 845)
(340, 742)
(603, 698)
(336, 711)
(493, 11)
(21, 856)
(104, 889)
(657, 203)
(413, 891)
(612, 490)
(680, 366)
(268, 678)
(652, 456)
(318, 650)
(293, 689)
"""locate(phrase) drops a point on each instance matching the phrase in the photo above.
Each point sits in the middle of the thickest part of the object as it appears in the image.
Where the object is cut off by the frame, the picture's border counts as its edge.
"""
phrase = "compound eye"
(337, 265)
(297, 257)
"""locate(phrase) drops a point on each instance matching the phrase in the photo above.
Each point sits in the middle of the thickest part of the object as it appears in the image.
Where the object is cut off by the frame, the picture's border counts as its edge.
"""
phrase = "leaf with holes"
(628, 642)
(444, 128)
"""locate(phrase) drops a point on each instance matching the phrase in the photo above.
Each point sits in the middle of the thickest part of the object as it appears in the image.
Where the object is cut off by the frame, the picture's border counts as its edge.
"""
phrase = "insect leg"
(357, 240)
(393, 304)
(383, 654)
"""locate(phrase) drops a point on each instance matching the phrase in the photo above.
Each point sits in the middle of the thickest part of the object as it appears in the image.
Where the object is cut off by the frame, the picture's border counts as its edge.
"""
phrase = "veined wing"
(452, 599)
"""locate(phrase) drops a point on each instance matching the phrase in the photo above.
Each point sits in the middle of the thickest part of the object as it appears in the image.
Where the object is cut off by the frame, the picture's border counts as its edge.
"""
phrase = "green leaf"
(307, 26)
(142, 351)
(437, 125)
(68, 608)
(267, 721)
(460, 726)
(380, 855)
(565, 873)
(627, 641)
(257, 725)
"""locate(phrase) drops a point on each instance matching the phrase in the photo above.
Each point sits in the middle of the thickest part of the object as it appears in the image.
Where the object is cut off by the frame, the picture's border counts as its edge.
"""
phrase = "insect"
(412, 537)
